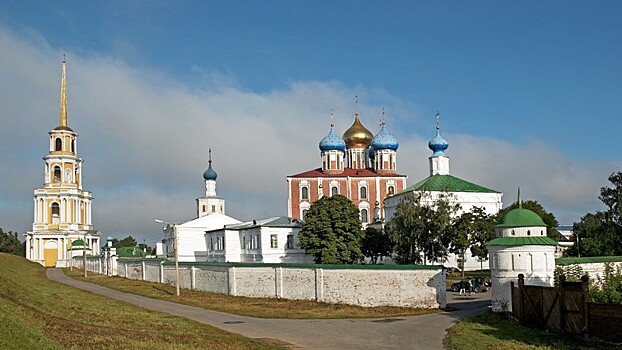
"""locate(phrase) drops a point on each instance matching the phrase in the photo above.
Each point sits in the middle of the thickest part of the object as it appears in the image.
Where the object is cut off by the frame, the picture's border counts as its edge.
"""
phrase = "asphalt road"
(412, 332)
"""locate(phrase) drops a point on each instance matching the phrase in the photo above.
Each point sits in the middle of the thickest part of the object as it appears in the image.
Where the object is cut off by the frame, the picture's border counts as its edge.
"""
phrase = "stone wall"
(390, 286)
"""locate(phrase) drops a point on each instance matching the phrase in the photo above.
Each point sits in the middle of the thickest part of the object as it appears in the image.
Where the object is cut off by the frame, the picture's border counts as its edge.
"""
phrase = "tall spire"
(63, 96)
(520, 204)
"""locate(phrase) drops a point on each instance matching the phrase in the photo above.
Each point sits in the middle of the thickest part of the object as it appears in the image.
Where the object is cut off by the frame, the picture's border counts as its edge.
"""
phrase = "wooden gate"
(563, 308)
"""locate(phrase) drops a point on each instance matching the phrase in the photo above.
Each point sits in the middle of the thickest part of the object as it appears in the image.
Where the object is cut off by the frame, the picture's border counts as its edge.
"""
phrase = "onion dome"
(210, 174)
(384, 140)
(438, 144)
(332, 142)
(357, 136)
(520, 217)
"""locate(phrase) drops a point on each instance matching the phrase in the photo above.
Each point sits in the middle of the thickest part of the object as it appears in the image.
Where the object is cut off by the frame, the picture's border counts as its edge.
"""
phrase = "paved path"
(412, 332)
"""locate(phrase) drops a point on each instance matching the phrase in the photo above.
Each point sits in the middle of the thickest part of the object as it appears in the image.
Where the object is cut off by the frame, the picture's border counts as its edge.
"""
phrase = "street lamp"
(174, 227)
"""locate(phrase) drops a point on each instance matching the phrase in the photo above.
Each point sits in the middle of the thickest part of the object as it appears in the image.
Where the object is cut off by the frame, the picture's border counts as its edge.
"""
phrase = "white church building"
(466, 193)
(215, 236)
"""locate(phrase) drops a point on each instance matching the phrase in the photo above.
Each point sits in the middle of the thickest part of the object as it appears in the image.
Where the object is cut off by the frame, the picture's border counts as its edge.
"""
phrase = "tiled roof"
(346, 172)
(447, 183)
(514, 241)
(587, 260)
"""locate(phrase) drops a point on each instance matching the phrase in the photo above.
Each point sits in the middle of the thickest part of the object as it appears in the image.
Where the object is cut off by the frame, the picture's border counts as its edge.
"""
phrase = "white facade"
(273, 240)
(191, 236)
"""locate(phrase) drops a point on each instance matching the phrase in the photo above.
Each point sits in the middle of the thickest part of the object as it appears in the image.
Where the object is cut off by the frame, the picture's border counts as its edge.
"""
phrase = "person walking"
(471, 286)
(462, 287)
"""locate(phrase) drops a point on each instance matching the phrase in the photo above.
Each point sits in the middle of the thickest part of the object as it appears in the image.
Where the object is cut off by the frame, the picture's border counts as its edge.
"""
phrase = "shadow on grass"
(161, 289)
(494, 331)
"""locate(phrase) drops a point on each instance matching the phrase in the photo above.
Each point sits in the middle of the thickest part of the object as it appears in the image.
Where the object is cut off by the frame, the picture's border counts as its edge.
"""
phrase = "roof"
(347, 172)
(587, 260)
(447, 183)
(124, 252)
(520, 217)
(276, 221)
(515, 241)
(210, 221)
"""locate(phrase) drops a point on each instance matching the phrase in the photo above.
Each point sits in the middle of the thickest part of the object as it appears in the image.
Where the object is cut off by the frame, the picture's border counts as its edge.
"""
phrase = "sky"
(529, 95)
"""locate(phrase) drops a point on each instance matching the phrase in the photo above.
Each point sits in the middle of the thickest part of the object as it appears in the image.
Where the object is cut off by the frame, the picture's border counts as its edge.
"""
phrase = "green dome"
(520, 217)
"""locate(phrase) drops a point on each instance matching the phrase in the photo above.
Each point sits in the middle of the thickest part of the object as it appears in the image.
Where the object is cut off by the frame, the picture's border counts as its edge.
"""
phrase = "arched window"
(391, 190)
(513, 233)
(55, 213)
(528, 233)
(73, 146)
(59, 145)
(363, 192)
(57, 174)
(304, 193)
(334, 190)
(541, 233)
(364, 216)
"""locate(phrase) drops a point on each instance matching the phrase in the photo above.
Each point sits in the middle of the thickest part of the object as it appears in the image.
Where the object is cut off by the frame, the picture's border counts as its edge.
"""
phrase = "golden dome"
(357, 136)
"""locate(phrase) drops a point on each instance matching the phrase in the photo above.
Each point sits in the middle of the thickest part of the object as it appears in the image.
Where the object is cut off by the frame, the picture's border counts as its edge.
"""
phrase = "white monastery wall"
(424, 288)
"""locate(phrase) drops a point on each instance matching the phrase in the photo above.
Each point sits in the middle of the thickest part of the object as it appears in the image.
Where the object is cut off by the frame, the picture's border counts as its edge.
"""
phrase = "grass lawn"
(255, 307)
(492, 331)
(36, 313)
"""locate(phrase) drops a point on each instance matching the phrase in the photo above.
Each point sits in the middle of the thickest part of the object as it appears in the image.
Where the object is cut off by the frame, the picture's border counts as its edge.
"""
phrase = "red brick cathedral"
(358, 165)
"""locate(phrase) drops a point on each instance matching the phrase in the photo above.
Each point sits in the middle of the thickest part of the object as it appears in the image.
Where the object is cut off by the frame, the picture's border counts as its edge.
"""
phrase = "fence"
(410, 286)
(566, 309)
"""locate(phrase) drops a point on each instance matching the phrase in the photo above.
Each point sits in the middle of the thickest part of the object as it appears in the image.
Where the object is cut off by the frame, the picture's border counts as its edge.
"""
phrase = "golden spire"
(63, 96)
(62, 124)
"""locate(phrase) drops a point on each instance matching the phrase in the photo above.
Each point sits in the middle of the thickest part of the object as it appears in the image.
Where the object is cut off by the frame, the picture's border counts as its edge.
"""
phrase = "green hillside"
(36, 313)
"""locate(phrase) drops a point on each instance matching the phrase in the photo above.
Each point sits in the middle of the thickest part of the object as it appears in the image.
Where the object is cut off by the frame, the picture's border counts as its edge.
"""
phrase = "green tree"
(548, 218)
(332, 231)
(376, 244)
(128, 241)
(472, 229)
(9, 243)
(421, 228)
(600, 233)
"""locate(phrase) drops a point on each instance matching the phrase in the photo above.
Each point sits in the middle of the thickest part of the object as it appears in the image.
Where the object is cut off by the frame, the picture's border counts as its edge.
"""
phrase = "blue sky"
(529, 94)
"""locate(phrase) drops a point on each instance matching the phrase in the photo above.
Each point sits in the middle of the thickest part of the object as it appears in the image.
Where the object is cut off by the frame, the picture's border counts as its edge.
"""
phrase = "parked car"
(481, 284)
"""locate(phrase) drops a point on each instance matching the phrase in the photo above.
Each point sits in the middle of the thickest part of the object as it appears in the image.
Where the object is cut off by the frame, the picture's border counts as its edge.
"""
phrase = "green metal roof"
(520, 217)
(514, 241)
(130, 252)
(587, 260)
(447, 183)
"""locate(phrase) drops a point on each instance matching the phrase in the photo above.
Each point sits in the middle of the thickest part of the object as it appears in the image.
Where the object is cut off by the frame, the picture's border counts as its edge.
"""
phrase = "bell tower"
(62, 210)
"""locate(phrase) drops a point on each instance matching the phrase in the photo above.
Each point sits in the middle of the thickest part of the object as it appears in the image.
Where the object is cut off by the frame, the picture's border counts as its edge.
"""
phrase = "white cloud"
(144, 137)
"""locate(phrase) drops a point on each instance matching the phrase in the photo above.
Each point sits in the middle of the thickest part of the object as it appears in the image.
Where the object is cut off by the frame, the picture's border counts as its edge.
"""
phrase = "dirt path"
(412, 332)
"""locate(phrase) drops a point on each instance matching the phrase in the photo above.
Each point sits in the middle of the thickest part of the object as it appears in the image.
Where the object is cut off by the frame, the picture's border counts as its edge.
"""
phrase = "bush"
(608, 289)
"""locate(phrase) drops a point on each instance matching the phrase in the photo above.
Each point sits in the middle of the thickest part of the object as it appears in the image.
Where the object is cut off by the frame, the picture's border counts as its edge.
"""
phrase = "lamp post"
(174, 228)
(84, 254)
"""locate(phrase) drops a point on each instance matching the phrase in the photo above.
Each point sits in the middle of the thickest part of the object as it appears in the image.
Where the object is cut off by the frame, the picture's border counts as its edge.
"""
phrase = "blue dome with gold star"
(332, 142)
(384, 140)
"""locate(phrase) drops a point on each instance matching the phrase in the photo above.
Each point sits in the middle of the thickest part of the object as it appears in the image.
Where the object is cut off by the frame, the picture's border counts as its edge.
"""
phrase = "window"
(541, 233)
(203, 208)
(364, 215)
(244, 243)
(58, 145)
(273, 241)
(290, 241)
(304, 193)
(57, 174)
(363, 192)
(334, 190)
(528, 233)
(55, 209)
(513, 233)
(213, 208)
(73, 146)
(391, 190)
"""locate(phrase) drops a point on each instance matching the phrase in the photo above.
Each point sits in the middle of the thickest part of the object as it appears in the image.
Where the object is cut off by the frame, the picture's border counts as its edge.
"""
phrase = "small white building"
(466, 193)
(521, 247)
(272, 240)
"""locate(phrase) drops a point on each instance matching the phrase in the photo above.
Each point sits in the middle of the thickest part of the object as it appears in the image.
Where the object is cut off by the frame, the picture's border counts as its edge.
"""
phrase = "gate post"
(562, 303)
(585, 296)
